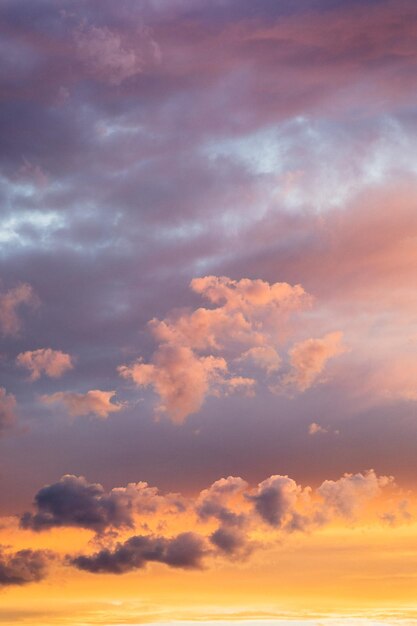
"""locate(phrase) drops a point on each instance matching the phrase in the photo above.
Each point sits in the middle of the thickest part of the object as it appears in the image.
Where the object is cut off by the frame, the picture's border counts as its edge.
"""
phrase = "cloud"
(309, 357)
(275, 499)
(315, 428)
(109, 55)
(94, 402)
(23, 567)
(10, 303)
(264, 357)
(277, 505)
(72, 501)
(179, 377)
(215, 501)
(230, 541)
(52, 363)
(347, 495)
(242, 330)
(186, 550)
(7, 409)
(249, 295)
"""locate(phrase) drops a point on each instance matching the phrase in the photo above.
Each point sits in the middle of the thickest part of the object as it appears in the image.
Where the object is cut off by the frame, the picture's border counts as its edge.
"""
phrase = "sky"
(208, 312)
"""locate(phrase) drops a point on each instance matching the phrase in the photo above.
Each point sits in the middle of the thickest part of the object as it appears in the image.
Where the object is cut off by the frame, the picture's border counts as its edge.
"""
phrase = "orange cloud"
(52, 363)
(308, 359)
(95, 402)
(346, 496)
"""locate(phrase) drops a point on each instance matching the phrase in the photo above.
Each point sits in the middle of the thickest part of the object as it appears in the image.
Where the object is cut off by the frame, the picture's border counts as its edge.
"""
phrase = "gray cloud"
(186, 550)
(23, 567)
(72, 501)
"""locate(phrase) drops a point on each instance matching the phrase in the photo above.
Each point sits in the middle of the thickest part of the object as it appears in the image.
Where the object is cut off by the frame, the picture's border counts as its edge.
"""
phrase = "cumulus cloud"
(7, 409)
(215, 501)
(52, 363)
(186, 550)
(10, 303)
(110, 56)
(179, 377)
(277, 504)
(95, 402)
(308, 359)
(202, 352)
(346, 495)
(73, 501)
(230, 541)
(275, 499)
(23, 567)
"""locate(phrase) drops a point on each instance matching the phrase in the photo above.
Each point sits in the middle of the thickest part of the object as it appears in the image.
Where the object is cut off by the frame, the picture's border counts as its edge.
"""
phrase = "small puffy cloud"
(109, 56)
(230, 540)
(95, 402)
(348, 494)
(263, 357)
(179, 377)
(23, 567)
(73, 501)
(7, 409)
(275, 499)
(309, 357)
(10, 303)
(52, 363)
(315, 428)
(186, 550)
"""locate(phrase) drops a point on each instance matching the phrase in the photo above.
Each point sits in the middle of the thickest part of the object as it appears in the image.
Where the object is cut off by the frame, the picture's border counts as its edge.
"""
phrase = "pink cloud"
(249, 295)
(241, 331)
(179, 377)
(10, 303)
(309, 357)
(110, 56)
(52, 363)
(315, 428)
(95, 402)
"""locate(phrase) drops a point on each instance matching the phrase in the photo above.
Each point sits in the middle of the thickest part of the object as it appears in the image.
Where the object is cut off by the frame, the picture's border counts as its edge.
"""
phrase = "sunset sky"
(208, 312)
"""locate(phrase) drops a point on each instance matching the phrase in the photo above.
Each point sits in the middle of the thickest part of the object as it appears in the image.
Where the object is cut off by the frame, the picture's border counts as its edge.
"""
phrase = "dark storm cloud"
(23, 567)
(186, 550)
